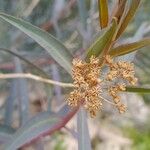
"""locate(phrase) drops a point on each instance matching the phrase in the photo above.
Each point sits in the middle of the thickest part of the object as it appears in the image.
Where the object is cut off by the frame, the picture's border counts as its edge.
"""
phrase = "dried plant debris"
(89, 84)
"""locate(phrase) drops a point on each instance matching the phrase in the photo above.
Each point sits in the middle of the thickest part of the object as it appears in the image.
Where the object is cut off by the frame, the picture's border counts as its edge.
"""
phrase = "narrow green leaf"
(130, 14)
(43, 124)
(103, 13)
(128, 48)
(138, 90)
(39, 125)
(55, 48)
(103, 41)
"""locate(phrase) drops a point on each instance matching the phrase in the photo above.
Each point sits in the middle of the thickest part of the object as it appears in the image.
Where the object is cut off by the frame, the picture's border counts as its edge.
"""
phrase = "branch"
(34, 77)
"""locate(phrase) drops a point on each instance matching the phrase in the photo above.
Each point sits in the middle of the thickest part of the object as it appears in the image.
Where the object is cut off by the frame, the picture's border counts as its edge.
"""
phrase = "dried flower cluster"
(88, 87)
(122, 71)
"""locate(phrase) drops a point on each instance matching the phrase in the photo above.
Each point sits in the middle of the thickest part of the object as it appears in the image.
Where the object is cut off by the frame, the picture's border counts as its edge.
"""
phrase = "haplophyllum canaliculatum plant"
(89, 79)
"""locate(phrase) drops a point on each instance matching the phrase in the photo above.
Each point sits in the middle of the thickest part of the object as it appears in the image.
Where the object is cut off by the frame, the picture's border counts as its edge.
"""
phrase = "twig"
(34, 77)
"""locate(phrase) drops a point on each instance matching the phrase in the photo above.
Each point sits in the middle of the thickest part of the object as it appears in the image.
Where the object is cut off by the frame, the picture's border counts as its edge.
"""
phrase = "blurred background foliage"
(61, 18)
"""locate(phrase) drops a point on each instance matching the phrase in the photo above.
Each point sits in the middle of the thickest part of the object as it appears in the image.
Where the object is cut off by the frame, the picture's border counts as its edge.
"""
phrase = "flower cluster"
(88, 87)
(113, 91)
(121, 71)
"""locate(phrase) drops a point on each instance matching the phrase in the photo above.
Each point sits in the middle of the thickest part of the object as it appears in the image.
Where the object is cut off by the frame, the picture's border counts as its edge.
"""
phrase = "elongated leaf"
(103, 13)
(138, 90)
(130, 14)
(41, 125)
(120, 10)
(83, 131)
(55, 48)
(102, 42)
(128, 48)
(31, 130)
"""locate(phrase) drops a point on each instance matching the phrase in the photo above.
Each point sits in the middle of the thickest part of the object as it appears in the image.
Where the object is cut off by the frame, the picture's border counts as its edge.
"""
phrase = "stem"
(34, 77)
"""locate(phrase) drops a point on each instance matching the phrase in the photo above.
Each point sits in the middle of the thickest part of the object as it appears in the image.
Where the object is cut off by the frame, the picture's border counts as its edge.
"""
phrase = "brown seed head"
(88, 85)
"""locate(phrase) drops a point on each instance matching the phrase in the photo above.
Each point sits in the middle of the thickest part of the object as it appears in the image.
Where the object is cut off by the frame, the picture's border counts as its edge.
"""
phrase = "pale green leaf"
(36, 127)
(45, 123)
(54, 47)
(103, 41)
(128, 48)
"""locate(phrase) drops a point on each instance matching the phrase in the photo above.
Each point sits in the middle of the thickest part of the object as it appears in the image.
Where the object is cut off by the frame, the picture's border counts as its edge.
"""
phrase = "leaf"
(39, 125)
(102, 42)
(83, 131)
(43, 124)
(55, 48)
(120, 10)
(138, 90)
(103, 13)
(130, 14)
(128, 48)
